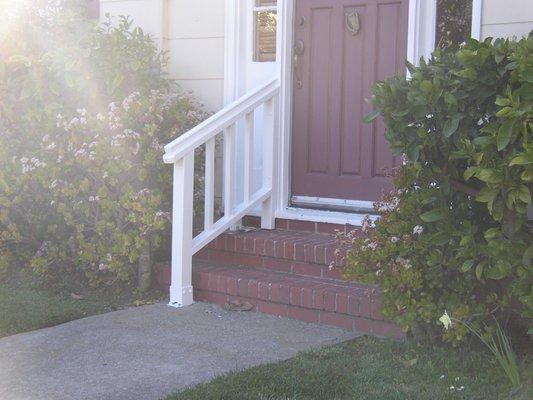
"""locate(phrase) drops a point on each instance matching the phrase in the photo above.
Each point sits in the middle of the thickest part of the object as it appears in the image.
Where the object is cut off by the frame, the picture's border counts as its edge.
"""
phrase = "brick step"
(300, 253)
(302, 226)
(311, 299)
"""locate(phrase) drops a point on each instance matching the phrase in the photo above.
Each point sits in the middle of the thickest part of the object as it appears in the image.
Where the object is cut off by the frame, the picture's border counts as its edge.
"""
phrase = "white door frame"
(420, 43)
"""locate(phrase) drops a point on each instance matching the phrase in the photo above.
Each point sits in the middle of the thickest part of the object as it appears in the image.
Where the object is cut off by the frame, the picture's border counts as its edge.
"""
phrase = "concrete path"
(148, 352)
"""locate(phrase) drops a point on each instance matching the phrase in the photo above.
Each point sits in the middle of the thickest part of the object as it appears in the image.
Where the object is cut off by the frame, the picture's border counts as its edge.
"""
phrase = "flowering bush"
(83, 190)
(454, 233)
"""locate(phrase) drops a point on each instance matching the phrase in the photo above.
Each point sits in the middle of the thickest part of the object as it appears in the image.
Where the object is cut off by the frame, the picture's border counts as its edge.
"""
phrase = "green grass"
(363, 369)
(25, 308)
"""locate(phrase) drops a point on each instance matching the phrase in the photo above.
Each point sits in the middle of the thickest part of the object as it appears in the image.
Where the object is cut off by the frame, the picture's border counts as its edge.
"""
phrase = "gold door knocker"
(352, 22)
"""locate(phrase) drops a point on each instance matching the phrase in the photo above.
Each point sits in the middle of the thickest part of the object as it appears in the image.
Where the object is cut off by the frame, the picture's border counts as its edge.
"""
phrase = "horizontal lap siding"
(506, 18)
(194, 38)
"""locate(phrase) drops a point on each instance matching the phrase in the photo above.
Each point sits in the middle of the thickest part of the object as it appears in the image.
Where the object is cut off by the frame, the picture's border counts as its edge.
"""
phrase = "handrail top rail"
(221, 120)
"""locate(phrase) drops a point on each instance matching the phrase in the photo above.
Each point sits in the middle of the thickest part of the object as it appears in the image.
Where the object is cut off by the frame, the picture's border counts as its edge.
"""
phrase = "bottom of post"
(181, 296)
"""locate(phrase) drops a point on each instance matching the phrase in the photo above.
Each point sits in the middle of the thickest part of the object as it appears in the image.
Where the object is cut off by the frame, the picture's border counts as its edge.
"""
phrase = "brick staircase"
(290, 273)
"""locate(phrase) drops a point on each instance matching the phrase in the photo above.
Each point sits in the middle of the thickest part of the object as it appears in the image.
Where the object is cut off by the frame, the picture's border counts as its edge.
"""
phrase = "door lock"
(299, 48)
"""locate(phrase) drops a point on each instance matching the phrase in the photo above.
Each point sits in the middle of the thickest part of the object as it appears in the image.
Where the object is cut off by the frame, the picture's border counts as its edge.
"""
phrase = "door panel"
(335, 154)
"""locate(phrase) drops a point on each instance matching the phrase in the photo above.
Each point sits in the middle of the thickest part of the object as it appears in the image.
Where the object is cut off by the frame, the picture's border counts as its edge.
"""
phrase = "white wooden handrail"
(226, 117)
(181, 153)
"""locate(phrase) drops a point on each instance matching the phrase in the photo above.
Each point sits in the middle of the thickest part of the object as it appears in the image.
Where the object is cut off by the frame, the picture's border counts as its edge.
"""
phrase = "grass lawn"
(363, 369)
(23, 308)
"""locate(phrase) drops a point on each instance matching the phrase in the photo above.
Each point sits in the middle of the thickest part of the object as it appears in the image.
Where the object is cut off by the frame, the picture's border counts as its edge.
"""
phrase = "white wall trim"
(285, 37)
(231, 51)
(421, 31)
(477, 11)
(164, 28)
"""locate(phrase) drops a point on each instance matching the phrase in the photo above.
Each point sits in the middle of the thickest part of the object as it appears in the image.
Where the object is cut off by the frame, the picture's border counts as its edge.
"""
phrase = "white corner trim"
(231, 51)
(286, 10)
(421, 30)
(477, 11)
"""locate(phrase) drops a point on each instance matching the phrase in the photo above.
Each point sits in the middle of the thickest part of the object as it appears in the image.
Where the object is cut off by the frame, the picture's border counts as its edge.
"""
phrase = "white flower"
(373, 246)
(46, 138)
(100, 117)
(394, 239)
(418, 230)
(446, 320)
(81, 111)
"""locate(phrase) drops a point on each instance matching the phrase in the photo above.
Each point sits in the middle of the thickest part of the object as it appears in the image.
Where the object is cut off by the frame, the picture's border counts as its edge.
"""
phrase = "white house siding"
(193, 33)
(506, 18)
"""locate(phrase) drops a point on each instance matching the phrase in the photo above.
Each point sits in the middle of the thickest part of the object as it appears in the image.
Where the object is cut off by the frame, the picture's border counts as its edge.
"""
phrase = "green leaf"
(527, 74)
(492, 233)
(527, 175)
(413, 152)
(523, 159)
(479, 270)
(504, 135)
(499, 270)
(470, 172)
(527, 258)
(502, 101)
(372, 116)
(487, 195)
(432, 216)
(467, 265)
(490, 175)
(524, 194)
(451, 125)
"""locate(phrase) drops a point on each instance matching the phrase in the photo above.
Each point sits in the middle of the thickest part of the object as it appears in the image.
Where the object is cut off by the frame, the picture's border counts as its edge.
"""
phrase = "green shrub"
(84, 114)
(454, 234)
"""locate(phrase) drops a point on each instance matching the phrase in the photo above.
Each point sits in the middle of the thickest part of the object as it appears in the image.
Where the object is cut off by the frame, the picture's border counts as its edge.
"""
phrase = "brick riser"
(298, 253)
(310, 299)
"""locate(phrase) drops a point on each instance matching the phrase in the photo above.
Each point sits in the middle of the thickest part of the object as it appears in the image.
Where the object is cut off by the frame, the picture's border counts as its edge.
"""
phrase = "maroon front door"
(341, 48)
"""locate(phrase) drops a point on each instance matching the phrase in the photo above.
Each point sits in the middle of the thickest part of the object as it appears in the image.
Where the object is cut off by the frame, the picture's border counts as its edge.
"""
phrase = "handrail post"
(229, 169)
(268, 218)
(181, 291)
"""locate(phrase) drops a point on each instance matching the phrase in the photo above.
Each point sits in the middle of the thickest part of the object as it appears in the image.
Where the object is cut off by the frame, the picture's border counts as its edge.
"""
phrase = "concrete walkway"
(148, 352)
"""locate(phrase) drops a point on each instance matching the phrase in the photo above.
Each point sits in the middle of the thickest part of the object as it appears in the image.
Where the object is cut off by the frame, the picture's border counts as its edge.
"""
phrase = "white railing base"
(180, 297)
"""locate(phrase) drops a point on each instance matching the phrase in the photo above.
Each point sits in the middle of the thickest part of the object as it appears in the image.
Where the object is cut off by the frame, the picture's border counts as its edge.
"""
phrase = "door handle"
(299, 50)
(352, 22)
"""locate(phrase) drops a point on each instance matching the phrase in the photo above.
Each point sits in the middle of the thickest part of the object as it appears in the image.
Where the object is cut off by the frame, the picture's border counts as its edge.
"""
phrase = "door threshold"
(328, 204)
(325, 216)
